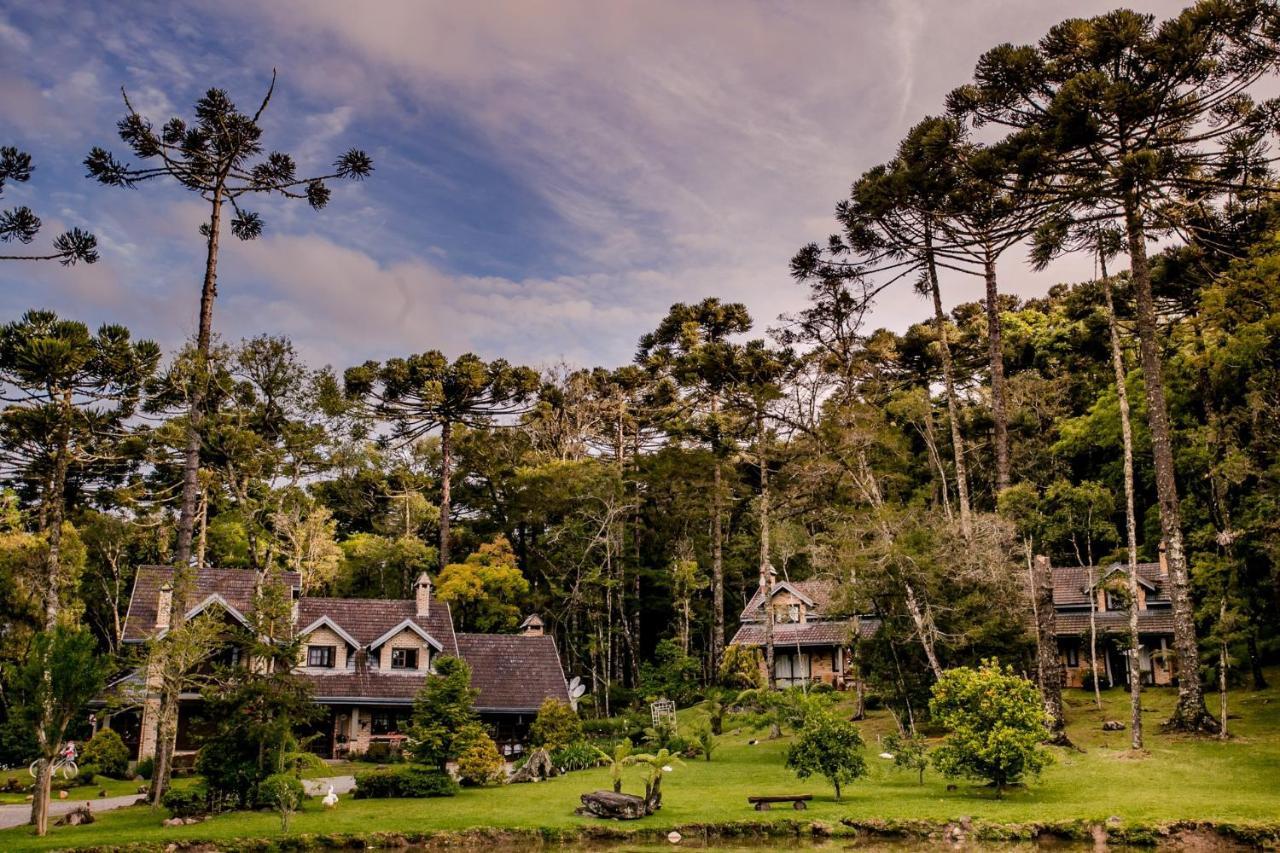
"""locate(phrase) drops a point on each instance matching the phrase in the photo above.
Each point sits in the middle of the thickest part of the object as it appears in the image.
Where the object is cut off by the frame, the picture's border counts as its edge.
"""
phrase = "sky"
(549, 176)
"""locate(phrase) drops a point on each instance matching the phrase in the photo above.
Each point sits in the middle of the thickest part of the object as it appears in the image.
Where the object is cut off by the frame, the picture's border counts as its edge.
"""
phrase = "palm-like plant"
(621, 757)
(660, 762)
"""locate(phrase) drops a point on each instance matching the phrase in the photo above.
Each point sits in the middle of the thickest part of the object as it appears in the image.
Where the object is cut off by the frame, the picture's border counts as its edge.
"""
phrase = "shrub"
(145, 768)
(576, 756)
(283, 793)
(185, 802)
(556, 727)
(108, 752)
(382, 753)
(827, 746)
(996, 723)
(407, 781)
(741, 668)
(480, 763)
(672, 674)
(86, 774)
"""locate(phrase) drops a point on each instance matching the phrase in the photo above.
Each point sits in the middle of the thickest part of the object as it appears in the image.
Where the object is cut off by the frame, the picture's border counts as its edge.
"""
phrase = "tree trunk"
(717, 556)
(446, 477)
(924, 627)
(948, 380)
(1190, 713)
(1130, 514)
(995, 353)
(1223, 661)
(1048, 665)
(766, 573)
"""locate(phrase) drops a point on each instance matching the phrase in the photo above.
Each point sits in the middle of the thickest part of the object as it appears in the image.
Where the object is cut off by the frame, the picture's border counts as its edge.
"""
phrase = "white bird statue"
(330, 799)
(887, 756)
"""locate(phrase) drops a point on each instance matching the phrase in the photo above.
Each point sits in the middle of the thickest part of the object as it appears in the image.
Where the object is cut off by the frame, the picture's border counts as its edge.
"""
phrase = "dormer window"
(1115, 601)
(404, 658)
(322, 656)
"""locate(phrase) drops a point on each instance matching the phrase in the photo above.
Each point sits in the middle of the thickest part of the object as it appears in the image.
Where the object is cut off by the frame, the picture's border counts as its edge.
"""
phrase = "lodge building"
(365, 660)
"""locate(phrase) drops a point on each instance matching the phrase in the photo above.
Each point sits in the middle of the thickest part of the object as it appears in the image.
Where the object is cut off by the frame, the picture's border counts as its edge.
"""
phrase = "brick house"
(1077, 590)
(365, 659)
(811, 645)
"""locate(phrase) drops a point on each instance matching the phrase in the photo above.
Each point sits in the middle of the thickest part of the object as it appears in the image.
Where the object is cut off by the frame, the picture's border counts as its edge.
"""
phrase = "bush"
(556, 727)
(108, 752)
(18, 745)
(185, 802)
(282, 793)
(382, 753)
(741, 668)
(576, 756)
(997, 724)
(86, 774)
(672, 674)
(409, 781)
(480, 763)
(145, 768)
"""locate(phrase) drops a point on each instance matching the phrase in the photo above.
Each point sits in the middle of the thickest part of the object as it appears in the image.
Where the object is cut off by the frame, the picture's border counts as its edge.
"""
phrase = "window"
(1073, 656)
(404, 658)
(321, 656)
(385, 722)
(1115, 601)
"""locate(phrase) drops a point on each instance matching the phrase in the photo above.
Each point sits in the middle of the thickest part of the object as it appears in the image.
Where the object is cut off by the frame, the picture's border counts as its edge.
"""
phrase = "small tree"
(828, 746)
(556, 726)
(740, 668)
(480, 763)
(909, 752)
(107, 752)
(443, 714)
(997, 724)
(658, 763)
(617, 760)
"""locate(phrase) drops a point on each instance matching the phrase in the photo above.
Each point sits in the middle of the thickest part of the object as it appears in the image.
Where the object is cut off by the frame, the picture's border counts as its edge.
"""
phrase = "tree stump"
(607, 804)
(76, 817)
(537, 768)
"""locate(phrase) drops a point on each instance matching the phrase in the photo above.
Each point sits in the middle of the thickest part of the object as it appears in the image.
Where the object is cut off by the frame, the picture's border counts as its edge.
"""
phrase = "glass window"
(385, 722)
(1073, 656)
(404, 658)
(321, 655)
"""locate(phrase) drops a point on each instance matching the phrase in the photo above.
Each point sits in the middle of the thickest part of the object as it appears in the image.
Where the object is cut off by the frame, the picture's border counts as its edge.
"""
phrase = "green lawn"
(1177, 779)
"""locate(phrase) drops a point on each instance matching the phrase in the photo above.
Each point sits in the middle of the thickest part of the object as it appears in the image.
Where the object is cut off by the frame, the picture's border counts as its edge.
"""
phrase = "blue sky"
(550, 176)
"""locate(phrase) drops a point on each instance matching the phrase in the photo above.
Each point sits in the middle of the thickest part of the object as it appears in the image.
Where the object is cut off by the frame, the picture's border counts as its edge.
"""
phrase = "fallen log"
(607, 804)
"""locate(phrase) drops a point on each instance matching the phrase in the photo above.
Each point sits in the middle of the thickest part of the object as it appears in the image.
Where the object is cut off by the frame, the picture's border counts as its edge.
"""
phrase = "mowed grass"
(79, 793)
(1176, 778)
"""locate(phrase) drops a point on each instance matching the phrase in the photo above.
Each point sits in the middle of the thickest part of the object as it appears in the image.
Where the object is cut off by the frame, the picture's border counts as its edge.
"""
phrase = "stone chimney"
(164, 603)
(422, 592)
(532, 626)
(1164, 561)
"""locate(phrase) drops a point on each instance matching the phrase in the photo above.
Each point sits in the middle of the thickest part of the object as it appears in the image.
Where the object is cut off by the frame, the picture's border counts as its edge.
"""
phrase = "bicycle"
(66, 766)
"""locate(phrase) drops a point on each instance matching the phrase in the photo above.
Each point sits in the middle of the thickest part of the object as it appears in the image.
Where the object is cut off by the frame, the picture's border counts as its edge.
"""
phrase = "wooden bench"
(763, 804)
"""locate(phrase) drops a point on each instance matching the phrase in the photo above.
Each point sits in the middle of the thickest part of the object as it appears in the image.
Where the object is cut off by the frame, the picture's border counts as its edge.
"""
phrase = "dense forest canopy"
(635, 507)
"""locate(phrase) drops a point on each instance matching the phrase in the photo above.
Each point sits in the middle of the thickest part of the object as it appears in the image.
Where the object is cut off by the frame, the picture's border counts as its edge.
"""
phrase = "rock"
(62, 795)
(190, 820)
(102, 792)
(538, 767)
(674, 837)
(952, 788)
(142, 789)
(172, 821)
(607, 804)
(1114, 820)
(966, 823)
(1113, 726)
(819, 829)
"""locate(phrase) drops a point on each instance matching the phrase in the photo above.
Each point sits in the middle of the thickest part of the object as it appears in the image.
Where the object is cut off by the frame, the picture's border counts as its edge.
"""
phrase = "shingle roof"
(834, 633)
(367, 619)
(1071, 583)
(1113, 622)
(234, 585)
(513, 672)
(820, 591)
(365, 685)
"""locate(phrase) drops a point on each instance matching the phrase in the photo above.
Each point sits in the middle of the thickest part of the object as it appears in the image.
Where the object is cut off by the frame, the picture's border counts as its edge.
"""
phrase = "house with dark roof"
(365, 660)
(811, 641)
(1098, 596)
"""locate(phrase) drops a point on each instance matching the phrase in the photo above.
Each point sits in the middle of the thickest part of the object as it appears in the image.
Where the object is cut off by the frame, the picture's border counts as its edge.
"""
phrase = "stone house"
(1104, 590)
(811, 643)
(365, 659)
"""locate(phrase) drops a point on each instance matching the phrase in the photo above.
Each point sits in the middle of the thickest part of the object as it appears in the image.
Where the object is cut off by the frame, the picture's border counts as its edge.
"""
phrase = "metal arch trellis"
(663, 712)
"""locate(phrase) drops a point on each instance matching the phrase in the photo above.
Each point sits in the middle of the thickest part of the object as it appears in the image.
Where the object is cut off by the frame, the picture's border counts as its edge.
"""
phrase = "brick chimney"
(422, 592)
(532, 626)
(1164, 561)
(164, 603)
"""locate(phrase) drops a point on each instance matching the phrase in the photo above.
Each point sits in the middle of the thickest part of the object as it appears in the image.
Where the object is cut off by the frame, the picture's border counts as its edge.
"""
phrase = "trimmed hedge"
(106, 751)
(409, 781)
(185, 802)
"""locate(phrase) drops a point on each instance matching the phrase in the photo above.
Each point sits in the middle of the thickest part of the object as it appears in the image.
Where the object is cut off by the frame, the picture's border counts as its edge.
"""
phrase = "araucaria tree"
(220, 158)
(1145, 123)
(425, 392)
(21, 224)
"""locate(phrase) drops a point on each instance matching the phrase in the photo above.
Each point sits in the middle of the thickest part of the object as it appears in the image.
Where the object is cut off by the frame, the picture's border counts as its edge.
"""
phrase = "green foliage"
(186, 802)
(145, 767)
(619, 758)
(443, 709)
(86, 774)
(407, 781)
(556, 726)
(480, 763)
(578, 755)
(741, 668)
(484, 592)
(996, 722)
(671, 674)
(910, 752)
(383, 567)
(706, 741)
(282, 793)
(827, 746)
(107, 751)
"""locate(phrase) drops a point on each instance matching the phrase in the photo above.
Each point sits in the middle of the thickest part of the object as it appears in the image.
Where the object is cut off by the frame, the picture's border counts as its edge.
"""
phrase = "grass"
(113, 788)
(1177, 778)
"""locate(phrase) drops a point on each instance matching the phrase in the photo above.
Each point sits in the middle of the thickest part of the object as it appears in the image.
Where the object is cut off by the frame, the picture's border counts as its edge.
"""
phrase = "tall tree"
(22, 225)
(689, 345)
(218, 157)
(425, 392)
(1144, 122)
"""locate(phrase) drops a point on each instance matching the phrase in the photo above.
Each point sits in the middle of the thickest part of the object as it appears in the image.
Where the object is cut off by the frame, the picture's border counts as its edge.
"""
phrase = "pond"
(868, 845)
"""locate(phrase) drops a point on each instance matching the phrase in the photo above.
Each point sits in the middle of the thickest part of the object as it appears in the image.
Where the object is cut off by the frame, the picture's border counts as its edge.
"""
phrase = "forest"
(637, 507)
